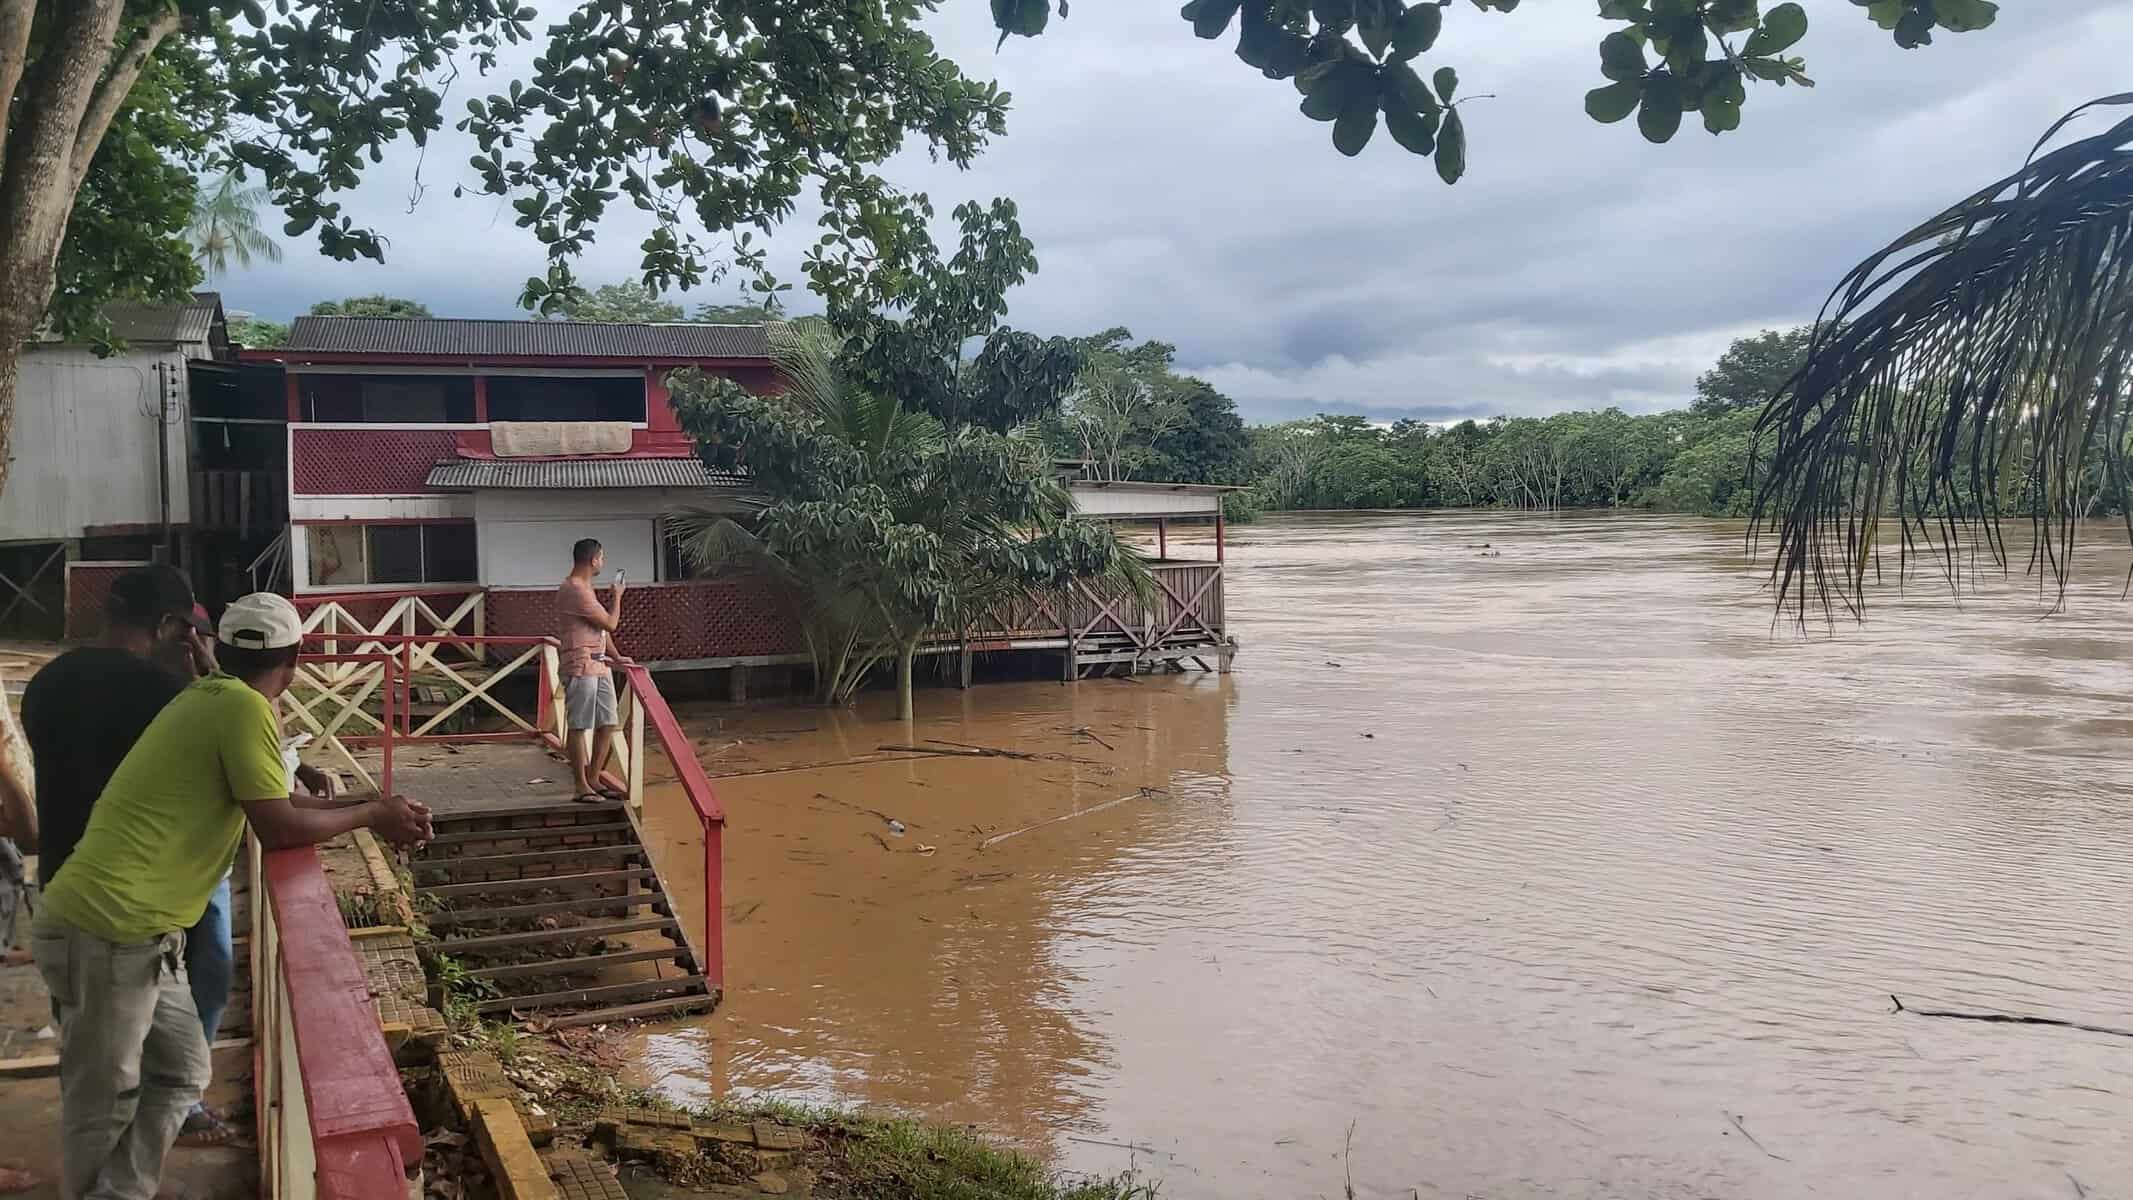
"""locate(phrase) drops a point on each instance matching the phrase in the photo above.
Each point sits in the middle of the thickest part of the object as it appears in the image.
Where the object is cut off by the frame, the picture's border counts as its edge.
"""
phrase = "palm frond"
(711, 541)
(1992, 338)
(805, 352)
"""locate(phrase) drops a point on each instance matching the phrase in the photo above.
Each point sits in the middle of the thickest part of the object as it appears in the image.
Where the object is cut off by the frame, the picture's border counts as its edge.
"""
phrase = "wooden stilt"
(737, 684)
(965, 665)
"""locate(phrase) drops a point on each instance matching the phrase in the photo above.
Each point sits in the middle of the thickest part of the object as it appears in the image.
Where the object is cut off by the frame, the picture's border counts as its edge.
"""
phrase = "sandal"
(590, 798)
(204, 1129)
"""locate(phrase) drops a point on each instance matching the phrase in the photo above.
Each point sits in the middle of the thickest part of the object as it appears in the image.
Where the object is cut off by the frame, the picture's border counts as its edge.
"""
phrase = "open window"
(566, 398)
(410, 553)
(387, 399)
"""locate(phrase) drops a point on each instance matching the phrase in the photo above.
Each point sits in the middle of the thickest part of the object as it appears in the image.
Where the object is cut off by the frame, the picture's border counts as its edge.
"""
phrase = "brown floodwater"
(1554, 868)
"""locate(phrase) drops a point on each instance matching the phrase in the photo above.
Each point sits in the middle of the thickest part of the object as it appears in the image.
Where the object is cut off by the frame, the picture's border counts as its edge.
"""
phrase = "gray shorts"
(589, 702)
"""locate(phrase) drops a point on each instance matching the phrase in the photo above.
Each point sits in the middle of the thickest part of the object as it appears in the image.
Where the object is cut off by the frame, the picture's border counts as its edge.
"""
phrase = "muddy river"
(1544, 868)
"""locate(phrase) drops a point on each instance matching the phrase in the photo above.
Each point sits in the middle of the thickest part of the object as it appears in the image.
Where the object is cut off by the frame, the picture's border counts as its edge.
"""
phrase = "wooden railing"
(333, 709)
(337, 694)
(333, 1118)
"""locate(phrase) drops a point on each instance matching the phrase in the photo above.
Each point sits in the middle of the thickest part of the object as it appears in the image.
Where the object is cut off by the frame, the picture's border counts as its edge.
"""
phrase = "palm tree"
(225, 227)
(1982, 354)
(837, 616)
(883, 526)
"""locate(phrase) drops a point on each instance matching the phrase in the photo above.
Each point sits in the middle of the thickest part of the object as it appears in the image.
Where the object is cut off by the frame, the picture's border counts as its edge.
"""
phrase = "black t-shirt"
(81, 714)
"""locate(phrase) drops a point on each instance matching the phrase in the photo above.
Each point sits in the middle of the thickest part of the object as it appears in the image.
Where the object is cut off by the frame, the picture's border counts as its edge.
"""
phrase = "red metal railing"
(703, 799)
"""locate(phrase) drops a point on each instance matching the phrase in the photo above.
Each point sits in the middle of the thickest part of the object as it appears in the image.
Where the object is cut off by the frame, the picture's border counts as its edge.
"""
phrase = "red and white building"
(457, 461)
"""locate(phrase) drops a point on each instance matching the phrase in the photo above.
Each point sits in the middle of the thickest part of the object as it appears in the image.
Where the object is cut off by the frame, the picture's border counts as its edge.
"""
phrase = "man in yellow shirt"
(109, 937)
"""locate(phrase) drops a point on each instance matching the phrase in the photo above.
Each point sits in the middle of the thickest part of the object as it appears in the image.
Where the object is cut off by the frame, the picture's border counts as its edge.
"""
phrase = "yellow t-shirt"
(167, 826)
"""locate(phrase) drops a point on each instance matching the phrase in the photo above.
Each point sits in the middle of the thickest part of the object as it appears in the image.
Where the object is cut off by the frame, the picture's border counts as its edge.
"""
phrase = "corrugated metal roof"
(469, 473)
(453, 337)
(191, 322)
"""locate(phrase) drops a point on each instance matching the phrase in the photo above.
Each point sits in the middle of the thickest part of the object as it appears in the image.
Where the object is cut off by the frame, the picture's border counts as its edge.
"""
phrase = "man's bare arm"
(18, 814)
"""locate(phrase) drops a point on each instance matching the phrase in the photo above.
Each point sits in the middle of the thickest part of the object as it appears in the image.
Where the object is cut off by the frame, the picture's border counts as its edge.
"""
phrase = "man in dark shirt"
(87, 707)
(85, 710)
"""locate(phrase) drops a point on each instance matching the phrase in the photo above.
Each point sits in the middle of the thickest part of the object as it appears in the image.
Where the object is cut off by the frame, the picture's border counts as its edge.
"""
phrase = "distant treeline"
(1134, 417)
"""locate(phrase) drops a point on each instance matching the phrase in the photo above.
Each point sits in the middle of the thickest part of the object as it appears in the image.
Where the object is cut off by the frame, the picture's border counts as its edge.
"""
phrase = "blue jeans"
(210, 962)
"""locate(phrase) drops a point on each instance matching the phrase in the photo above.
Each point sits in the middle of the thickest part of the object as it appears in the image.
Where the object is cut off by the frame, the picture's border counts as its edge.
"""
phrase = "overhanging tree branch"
(110, 94)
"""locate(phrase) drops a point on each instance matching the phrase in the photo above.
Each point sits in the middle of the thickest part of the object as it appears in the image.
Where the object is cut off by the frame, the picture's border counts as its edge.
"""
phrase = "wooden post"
(966, 663)
(296, 402)
(737, 684)
(481, 399)
(1162, 539)
(1218, 537)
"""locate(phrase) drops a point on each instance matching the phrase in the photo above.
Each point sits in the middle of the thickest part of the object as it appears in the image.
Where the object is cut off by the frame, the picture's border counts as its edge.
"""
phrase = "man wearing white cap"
(109, 938)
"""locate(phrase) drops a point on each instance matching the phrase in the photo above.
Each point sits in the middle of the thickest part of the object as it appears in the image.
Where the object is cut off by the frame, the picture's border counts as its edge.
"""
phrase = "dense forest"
(1134, 417)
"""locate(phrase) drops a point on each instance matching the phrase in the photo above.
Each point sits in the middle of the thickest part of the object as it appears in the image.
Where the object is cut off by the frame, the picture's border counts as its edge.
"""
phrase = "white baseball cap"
(261, 621)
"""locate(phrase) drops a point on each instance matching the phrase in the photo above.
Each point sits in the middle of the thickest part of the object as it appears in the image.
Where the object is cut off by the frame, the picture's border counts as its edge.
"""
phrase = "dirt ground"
(29, 1132)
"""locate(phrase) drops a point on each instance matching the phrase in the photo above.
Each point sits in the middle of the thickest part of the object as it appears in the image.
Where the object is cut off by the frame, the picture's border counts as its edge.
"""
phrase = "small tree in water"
(883, 523)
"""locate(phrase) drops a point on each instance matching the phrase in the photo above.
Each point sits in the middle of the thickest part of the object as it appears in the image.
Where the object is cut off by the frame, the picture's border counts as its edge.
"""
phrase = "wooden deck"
(481, 778)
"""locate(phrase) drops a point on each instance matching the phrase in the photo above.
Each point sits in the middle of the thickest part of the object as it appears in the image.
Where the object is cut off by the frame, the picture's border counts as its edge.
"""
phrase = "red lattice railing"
(669, 622)
(365, 462)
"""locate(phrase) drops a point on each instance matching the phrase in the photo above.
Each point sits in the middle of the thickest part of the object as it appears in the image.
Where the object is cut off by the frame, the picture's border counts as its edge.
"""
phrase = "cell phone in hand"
(621, 576)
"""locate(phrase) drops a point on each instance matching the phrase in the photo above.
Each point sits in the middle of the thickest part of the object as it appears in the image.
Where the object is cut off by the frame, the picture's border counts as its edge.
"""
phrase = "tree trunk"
(906, 651)
(58, 105)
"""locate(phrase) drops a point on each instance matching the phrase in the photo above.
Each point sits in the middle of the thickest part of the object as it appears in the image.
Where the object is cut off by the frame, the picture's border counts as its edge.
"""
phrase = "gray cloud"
(1172, 190)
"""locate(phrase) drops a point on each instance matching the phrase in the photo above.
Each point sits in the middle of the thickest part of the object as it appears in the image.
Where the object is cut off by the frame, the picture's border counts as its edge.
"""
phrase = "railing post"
(635, 751)
(714, 964)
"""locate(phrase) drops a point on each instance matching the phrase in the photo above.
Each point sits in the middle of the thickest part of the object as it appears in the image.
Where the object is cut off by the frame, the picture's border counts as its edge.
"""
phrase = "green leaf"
(1339, 90)
(1659, 115)
(1025, 17)
(1886, 12)
(1782, 27)
(1721, 114)
(1965, 16)
(1333, 12)
(1416, 132)
(1209, 17)
(1374, 19)
(1357, 122)
(1405, 89)
(1622, 58)
(1447, 81)
(1451, 148)
(1615, 101)
(1417, 30)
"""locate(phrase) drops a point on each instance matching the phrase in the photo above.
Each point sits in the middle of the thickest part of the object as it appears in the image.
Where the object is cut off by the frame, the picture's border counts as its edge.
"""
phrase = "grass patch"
(907, 1159)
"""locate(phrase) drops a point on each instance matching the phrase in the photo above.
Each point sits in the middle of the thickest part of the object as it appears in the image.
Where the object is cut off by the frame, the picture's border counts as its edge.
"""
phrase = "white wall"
(524, 537)
(84, 451)
(1128, 502)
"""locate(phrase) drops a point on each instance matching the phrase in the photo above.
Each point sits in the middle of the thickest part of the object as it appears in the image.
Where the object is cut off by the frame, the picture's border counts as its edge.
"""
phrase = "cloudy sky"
(1172, 190)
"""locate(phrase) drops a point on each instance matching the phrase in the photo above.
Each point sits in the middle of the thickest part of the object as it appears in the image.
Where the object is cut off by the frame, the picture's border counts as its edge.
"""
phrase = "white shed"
(99, 465)
(99, 447)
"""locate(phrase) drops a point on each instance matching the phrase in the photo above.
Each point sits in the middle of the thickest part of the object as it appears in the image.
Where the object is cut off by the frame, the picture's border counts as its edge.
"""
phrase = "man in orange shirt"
(587, 633)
